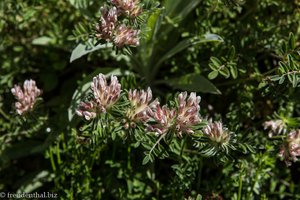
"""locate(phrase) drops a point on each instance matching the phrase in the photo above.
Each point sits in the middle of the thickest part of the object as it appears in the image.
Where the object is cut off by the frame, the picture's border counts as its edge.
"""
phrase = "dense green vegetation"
(241, 57)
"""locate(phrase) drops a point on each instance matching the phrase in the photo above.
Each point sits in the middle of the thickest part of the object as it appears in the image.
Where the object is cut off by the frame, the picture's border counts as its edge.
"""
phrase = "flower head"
(105, 95)
(107, 25)
(292, 150)
(163, 117)
(26, 98)
(217, 133)
(276, 127)
(88, 110)
(140, 106)
(188, 112)
(129, 7)
(126, 36)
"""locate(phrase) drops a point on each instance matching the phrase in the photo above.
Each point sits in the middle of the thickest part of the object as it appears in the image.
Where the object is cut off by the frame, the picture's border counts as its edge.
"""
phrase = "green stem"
(58, 154)
(240, 186)
(233, 82)
(4, 114)
(52, 160)
(157, 142)
(199, 174)
(192, 152)
(182, 147)
(128, 157)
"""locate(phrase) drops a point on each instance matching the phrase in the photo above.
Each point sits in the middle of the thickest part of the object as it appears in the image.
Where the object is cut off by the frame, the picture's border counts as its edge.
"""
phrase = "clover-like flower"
(140, 104)
(291, 151)
(188, 112)
(217, 133)
(126, 36)
(88, 110)
(105, 95)
(164, 118)
(106, 27)
(27, 97)
(276, 127)
(129, 7)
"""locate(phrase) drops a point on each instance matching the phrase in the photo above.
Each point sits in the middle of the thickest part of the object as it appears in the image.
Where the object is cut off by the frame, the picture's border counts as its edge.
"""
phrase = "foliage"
(241, 57)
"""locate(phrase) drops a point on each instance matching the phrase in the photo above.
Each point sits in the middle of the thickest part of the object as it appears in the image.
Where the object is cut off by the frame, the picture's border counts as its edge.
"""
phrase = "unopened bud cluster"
(26, 97)
(111, 29)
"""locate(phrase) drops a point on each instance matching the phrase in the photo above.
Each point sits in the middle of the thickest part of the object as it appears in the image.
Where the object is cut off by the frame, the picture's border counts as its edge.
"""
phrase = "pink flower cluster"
(142, 109)
(164, 118)
(140, 105)
(104, 96)
(291, 150)
(188, 112)
(179, 119)
(110, 29)
(126, 36)
(129, 7)
(105, 29)
(217, 133)
(27, 97)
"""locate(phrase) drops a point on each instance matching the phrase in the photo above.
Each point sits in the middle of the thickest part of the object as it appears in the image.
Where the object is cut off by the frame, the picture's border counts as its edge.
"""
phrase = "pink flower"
(88, 110)
(126, 36)
(105, 95)
(106, 27)
(164, 119)
(129, 7)
(26, 98)
(140, 106)
(188, 112)
(217, 133)
(292, 150)
(179, 120)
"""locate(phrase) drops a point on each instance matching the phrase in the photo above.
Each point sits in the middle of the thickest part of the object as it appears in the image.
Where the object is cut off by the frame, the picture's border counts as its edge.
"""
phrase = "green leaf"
(233, 71)
(281, 80)
(82, 50)
(44, 40)
(292, 42)
(183, 45)
(231, 53)
(213, 37)
(275, 78)
(213, 67)
(146, 159)
(225, 72)
(193, 83)
(215, 61)
(80, 4)
(199, 197)
(291, 62)
(284, 48)
(213, 74)
(294, 80)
